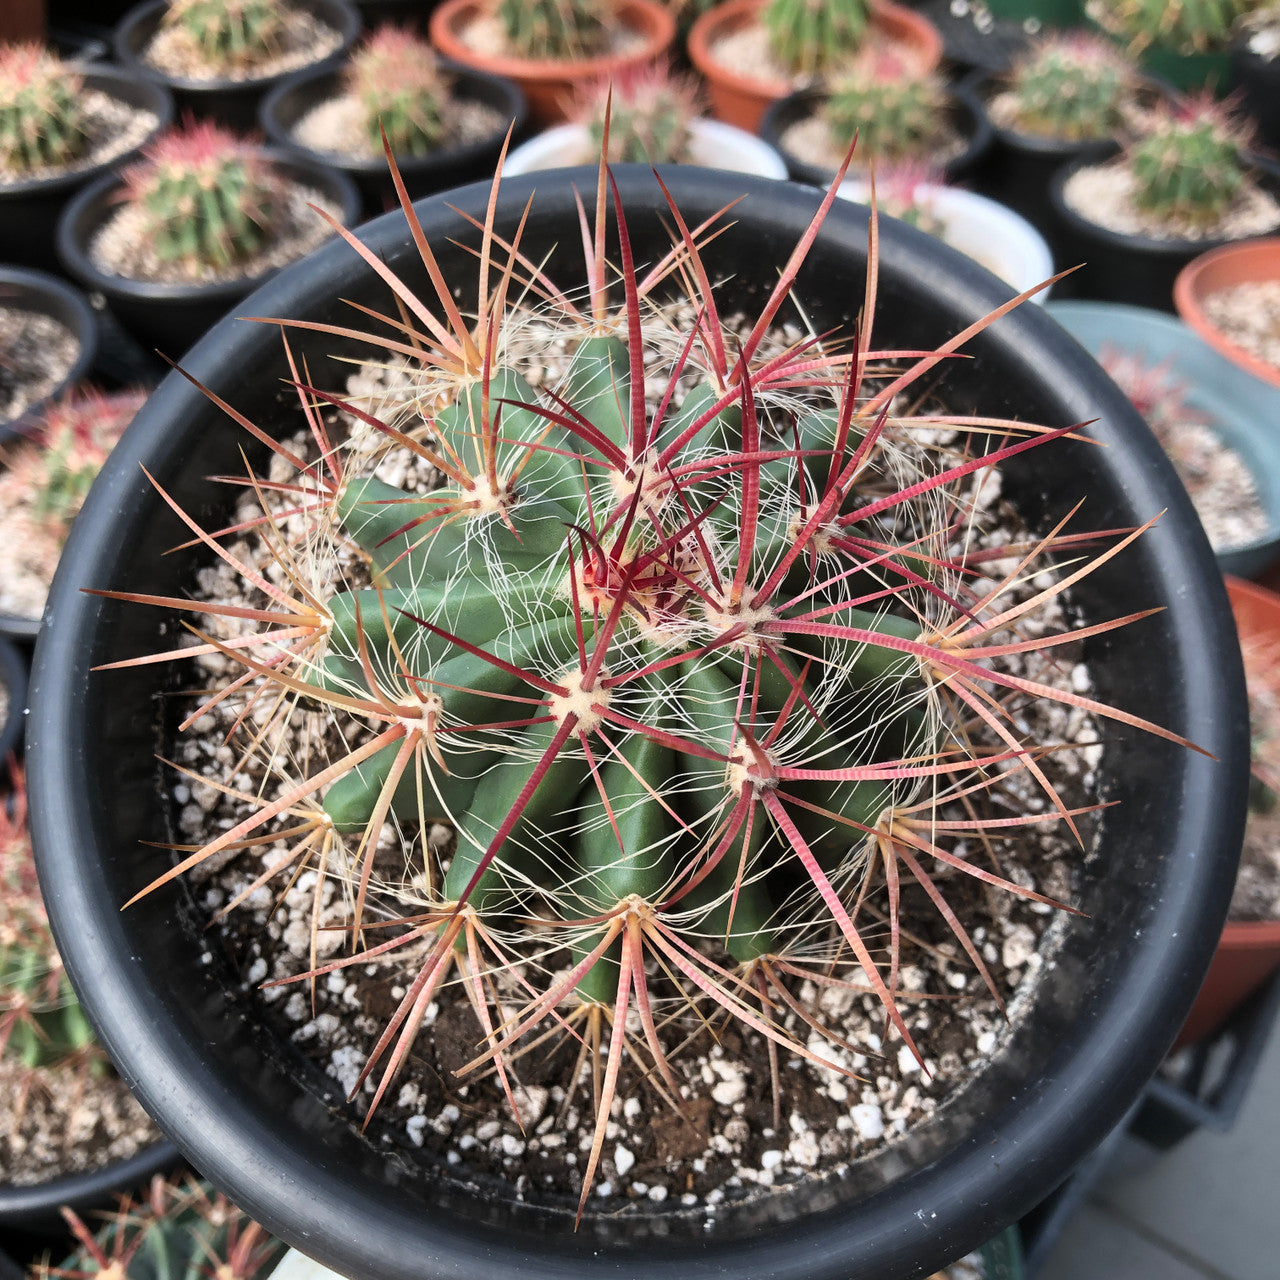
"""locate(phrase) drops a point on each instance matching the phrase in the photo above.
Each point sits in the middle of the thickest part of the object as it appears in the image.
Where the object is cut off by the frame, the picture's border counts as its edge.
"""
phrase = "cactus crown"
(41, 1022)
(235, 34)
(648, 113)
(894, 114)
(654, 645)
(398, 82)
(1190, 165)
(810, 37)
(1186, 26)
(555, 30)
(42, 122)
(1071, 87)
(182, 1230)
(209, 196)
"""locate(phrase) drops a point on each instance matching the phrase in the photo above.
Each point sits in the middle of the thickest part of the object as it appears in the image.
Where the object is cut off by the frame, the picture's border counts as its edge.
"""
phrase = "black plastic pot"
(40, 292)
(1258, 80)
(232, 102)
(1126, 268)
(170, 317)
(13, 678)
(991, 46)
(29, 210)
(287, 103)
(404, 13)
(967, 117)
(31, 1217)
(269, 1128)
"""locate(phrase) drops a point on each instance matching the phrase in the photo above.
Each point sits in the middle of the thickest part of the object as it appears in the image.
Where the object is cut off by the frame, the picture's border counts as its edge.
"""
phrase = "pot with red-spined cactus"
(618, 677)
(897, 116)
(178, 238)
(445, 124)
(1187, 184)
(219, 58)
(60, 127)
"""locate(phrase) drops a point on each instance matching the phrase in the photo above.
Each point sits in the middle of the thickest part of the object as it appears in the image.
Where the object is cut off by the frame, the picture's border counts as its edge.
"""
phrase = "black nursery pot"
(274, 1133)
(1118, 267)
(13, 679)
(29, 210)
(286, 104)
(170, 317)
(47, 295)
(1258, 79)
(233, 103)
(966, 114)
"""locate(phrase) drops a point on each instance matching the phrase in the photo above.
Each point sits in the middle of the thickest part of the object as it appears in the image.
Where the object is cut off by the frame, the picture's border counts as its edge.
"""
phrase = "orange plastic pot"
(1247, 262)
(549, 85)
(742, 101)
(1248, 952)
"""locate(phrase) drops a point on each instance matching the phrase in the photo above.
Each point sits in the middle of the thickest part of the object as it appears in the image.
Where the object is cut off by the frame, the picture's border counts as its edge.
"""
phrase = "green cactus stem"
(893, 116)
(234, 34)
(401, 90)
(1071, 87)
(810, 37)
(42, 117)
(555, 30)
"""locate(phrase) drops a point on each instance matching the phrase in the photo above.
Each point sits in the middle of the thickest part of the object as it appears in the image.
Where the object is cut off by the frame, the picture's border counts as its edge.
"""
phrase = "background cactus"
(555, 30)
(1186, 26)
(652, 643)
(1190, 165)
(183, 1230)
(42, 121)
(235, 34)
(41, 1022)
(395, 76)
(812, 36)
(649, 113)
(1071, 87)
(210, 196)
(894, 114)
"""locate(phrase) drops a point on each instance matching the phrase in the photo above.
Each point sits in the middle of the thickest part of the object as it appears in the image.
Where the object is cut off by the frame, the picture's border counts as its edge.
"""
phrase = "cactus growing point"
(647, 111)
(1070, 86)
(653, 643)
(401, 89)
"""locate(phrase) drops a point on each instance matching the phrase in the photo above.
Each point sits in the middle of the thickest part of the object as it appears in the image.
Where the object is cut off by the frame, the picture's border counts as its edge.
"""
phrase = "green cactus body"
(554, 30)
(892, 117)
(649, 112)
(505, 588)
(1189, 169)
(1186, 26)
(395, 77)
(812, 36)
(42, 117)
(1071, 89)
(229, 33)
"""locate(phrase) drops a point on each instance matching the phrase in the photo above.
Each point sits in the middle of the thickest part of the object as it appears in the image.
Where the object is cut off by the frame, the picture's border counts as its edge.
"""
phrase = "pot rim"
(971, 1188)
(72, 239)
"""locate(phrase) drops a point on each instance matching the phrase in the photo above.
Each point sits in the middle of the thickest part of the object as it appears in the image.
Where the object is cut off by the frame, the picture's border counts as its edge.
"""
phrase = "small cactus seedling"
(1190, 165)
(42, 122)
(1186, 26)
(893, 114)
(41, 1022)
(1070, 87)
(399, 85)
(182, 1230)
(555, 30)
(231, 34)
(209, 196)
(810, 37)
(647, 115)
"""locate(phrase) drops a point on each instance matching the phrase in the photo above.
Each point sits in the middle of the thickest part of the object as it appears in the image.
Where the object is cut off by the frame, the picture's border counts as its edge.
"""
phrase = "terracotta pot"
(742, 101)
(1248, 262)
(1248, 952)
(549, 85)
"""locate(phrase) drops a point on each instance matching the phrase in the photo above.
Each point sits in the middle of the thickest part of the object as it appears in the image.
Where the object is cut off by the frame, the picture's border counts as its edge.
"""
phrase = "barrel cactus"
(810, 37)
(893, 113)
(647, 112)
(555, 30)
(667, 656)
(1070, 86)
(42, 117)
(231, 34)
(1186, 26)
(209, 196)
(1190, 165)
(395, 77)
